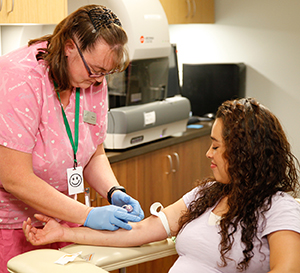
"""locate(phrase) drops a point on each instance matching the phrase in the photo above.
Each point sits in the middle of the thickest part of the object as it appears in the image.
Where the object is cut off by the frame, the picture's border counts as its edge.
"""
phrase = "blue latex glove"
(120, 198)
(109, 218)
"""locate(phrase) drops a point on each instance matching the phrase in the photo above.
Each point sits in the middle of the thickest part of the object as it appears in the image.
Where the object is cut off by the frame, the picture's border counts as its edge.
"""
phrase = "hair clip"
(103, 18)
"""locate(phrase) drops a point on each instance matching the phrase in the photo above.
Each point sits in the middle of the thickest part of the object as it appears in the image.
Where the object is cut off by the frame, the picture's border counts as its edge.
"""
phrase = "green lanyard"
(76, 128)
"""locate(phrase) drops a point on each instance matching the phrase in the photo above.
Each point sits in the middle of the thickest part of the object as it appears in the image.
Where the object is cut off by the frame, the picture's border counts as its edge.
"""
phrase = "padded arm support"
(105, 258)
(112, 258)
(42, 260)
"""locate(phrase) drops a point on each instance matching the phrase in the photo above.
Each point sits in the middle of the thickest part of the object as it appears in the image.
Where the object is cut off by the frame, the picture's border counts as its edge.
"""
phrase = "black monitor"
(207, 86)
(173, 78)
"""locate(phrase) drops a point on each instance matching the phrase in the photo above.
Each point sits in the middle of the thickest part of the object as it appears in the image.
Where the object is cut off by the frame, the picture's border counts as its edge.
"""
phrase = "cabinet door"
(126, 174)
(146, 180)
(189, 165)
(51, 11)
(201, 11)
(186, 158)
(33, 11)
(193, 163)
(158, 266)
(14, 11)
(189, 11)
(154, 179)
(155, 176)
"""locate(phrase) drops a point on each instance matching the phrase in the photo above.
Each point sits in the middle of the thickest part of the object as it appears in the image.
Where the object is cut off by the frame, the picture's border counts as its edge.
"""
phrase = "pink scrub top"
(31, 121)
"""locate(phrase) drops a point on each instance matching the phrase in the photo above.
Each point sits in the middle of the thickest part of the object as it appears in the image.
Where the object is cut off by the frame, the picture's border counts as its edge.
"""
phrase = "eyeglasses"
(91, 75)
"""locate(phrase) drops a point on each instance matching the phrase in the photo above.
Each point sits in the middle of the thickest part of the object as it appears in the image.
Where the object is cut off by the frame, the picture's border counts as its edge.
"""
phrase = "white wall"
(264, 34)
(12, 37)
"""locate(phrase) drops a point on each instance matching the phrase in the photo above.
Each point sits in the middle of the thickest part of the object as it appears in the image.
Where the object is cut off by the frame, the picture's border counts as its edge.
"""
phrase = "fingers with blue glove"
(120, 198)
(110, 218)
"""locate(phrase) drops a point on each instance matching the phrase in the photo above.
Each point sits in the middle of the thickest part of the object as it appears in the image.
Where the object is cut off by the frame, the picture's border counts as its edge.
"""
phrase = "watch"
(114, 188)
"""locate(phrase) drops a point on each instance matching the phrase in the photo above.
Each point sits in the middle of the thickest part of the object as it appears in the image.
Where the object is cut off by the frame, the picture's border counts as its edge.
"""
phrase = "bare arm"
(146, 231)
(98, 172)
(18, 178)
(284, 251)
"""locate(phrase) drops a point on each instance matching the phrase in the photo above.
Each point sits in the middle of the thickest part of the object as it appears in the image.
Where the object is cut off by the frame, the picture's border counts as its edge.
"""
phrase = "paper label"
(149, 118)
(67, 258)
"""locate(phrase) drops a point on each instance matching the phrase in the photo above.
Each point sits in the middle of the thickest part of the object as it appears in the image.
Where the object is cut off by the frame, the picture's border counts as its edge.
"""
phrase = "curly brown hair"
(260, 164)
(79, 26)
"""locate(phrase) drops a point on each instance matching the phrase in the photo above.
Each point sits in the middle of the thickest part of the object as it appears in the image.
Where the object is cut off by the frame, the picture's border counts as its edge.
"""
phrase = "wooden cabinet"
(189, 11)
(163, 175)
(32, 11)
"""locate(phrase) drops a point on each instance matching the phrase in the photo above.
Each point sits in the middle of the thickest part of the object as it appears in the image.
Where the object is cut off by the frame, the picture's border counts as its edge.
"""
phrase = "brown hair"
(260, 164)
(78, 25)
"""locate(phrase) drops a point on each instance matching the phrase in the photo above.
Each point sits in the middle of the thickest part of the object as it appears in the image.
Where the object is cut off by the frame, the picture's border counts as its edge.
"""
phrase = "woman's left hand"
(50, 233)
(120, 199)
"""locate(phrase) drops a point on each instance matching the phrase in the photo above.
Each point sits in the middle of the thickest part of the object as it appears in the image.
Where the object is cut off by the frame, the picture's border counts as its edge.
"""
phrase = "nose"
(209, 152)
(99, 79)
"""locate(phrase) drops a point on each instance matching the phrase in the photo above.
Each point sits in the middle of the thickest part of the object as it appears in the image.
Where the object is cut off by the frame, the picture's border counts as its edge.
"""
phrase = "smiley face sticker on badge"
(75, 180)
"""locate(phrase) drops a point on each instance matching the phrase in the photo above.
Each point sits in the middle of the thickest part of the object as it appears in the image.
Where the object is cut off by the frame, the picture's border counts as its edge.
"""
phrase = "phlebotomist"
(53, 111)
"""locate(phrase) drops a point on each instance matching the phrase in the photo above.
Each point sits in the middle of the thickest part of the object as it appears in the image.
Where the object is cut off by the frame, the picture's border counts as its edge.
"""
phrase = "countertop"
(190, 133)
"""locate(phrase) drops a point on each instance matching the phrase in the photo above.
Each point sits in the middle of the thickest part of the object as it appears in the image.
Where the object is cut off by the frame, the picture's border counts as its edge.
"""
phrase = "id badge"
(75, 180)
(89, 117)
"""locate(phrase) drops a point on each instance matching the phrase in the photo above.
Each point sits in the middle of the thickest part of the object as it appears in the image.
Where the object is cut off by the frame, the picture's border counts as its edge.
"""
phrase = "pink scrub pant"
(13, 243)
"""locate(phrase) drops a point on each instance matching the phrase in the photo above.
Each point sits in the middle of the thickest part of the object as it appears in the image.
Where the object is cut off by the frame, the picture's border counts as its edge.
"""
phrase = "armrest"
(42, 260)
(112, 258)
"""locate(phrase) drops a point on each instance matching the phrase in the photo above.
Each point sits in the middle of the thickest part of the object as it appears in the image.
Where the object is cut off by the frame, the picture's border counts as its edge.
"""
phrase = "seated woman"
(241, 220)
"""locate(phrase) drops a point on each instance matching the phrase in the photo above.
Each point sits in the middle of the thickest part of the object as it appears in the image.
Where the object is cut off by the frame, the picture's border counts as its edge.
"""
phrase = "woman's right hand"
(50, 233)
(110, 218)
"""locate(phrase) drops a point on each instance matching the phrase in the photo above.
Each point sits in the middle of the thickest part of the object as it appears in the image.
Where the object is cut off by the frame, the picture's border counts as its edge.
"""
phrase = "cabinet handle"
(177, 161)
(12, 6)
(93, 200)
(0, 5)
(189, 8)
(171, 164)
(194, 8)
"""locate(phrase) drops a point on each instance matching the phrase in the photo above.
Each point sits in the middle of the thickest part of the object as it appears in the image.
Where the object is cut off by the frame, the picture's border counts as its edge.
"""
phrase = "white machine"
(139, 108)
(132, 125)
(146, 25)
